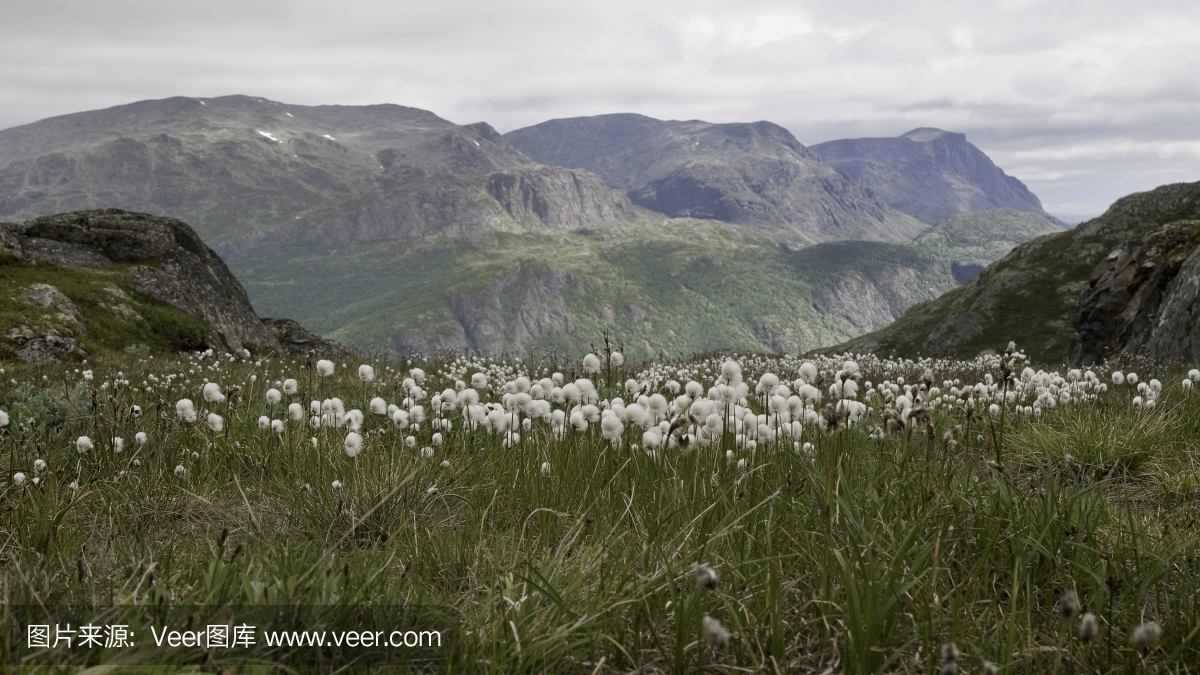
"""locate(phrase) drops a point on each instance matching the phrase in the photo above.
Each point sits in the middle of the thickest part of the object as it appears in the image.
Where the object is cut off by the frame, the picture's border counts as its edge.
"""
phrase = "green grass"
(860, 555)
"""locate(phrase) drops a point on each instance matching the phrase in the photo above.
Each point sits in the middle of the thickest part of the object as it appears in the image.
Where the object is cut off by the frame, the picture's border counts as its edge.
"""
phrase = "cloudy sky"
(1084, 101)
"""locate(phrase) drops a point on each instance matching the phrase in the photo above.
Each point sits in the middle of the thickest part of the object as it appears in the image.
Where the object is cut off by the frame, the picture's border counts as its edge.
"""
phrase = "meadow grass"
(865, 552)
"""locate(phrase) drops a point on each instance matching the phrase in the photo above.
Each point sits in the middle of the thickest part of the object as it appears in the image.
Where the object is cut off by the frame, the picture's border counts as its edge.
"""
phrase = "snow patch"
(476, 142)
(329, 137)
(269, 136)
(289, 114)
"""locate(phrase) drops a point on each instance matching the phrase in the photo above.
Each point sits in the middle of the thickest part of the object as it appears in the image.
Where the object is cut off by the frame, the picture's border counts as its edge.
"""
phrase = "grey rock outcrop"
(50, 348)
(563, 199)
(298, 340)
(166, 261)
(1142, 299)
(45, 296)
(929, 174)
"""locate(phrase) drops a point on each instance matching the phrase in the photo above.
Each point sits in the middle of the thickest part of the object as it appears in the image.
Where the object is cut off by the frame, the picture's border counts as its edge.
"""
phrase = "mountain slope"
(927, 173)
(1028, 296)
(673, 285)
(252, 174)
(753, 174)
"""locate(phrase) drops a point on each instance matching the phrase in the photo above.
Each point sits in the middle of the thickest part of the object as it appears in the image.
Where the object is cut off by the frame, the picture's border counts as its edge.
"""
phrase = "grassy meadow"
(723, 514)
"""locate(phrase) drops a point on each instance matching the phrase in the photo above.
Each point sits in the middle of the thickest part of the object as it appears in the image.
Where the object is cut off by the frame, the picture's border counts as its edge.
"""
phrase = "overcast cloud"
(1083, 101)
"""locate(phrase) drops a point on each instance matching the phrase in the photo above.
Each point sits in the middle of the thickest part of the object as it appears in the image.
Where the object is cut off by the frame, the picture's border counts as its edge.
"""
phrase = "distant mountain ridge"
(253, 175)
(754, 174)
(386, 225)
(928, 173)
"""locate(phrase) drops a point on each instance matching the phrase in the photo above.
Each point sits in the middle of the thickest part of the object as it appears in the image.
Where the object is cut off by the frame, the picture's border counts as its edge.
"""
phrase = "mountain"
(1033, 294)
(927, 173)
(755, 174)
(109, 280)
(389, 226)
(254, 175)
(676, 286)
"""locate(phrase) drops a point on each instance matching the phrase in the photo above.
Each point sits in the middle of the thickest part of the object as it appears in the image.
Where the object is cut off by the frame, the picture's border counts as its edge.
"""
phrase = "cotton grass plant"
(727, 514)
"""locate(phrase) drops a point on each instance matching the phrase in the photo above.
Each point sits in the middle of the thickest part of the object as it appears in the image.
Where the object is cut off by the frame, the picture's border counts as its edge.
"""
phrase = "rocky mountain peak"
(927, 134)
(755, 174)
(928, 173)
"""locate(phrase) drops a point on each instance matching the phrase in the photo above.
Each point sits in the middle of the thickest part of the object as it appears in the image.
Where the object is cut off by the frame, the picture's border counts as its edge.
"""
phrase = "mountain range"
(388, 225)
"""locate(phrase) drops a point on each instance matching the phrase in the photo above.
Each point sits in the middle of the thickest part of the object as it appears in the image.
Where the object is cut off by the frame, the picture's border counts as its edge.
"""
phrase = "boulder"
(298, 340)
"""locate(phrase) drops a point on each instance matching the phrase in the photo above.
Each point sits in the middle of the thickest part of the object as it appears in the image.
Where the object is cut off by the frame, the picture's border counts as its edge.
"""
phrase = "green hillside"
(1027, 296)
(675, 286)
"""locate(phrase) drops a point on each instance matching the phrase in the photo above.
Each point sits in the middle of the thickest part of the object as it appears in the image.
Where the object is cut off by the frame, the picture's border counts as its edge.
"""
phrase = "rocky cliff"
(753, 174)
(1142, 299)
(139, 265)
(929, 174)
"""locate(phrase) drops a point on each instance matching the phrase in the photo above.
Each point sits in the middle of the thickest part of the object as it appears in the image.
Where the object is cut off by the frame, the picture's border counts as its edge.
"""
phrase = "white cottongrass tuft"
(18, 478)
(1089, 628)
(379, 406)
(185, 410)
(274, 396)
(180, 471)
(264, 422)
(591, 363)
(545, 468)
(277, 426)
(215, 422)
(290, 387)
(336, 485)
(118, 444)
(706, 577)
(84, 444)
(366, 373)
(140, 438)
(1118, 378)
(3, 419)
(1147, 635)
(212, 393)
(39, 465)
(616, 358)
(354, 443)
(324, 367)
(296, 412)
(714, 634)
